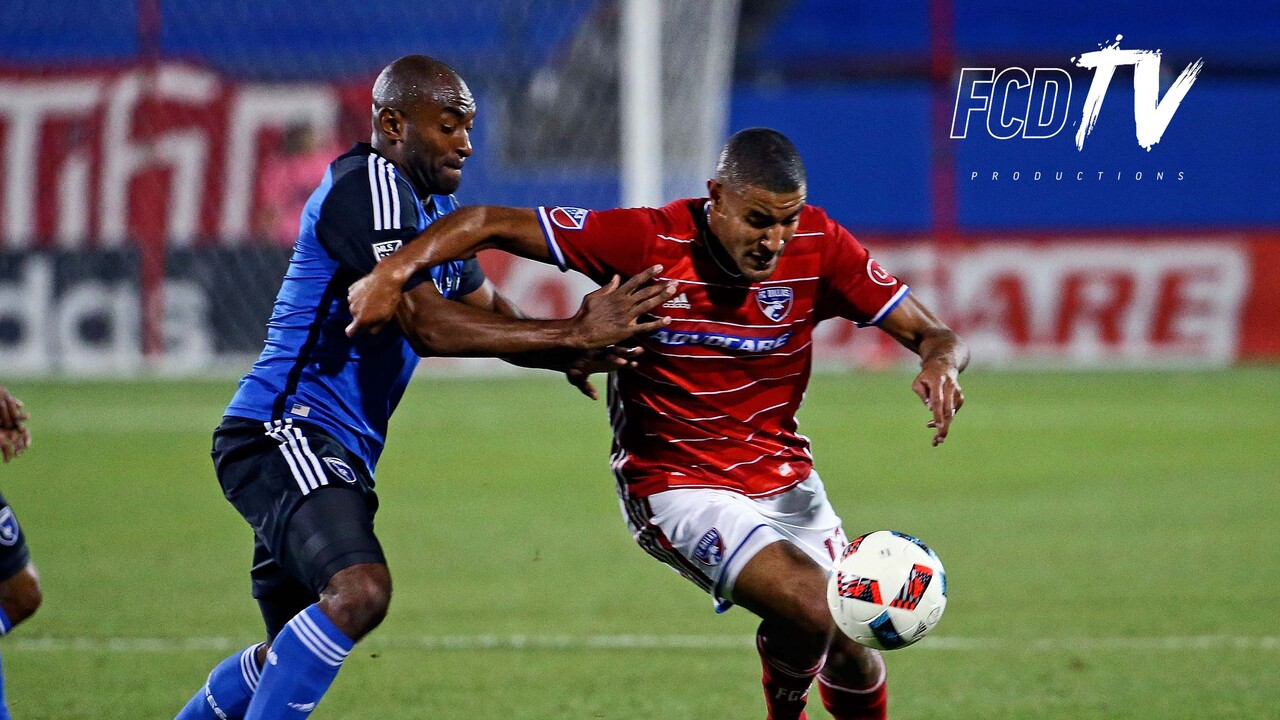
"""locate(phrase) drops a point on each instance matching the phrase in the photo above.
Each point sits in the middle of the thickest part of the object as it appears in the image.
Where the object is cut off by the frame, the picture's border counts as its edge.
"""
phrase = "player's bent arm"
(436, 326)
(487, 298)
(577, 365)
(943, 355)
(463, 233)
(375, 298)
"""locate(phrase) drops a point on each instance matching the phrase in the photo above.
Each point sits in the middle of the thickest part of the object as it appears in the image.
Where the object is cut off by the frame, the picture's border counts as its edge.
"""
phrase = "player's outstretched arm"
(460, 234)
(943, 355)
(577, 365)
(436, 326)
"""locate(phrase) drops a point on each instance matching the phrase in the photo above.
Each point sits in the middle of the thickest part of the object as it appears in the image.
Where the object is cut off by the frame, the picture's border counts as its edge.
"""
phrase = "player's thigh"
(781, 583)
(310, 504)
(331, 531)
(711, 535)
(700, 533)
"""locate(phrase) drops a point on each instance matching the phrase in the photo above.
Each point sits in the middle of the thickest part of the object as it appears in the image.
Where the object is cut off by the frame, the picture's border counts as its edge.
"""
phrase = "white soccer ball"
(888, 590)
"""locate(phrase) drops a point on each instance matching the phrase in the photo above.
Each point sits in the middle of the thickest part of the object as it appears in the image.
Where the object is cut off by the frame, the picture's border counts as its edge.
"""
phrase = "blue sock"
(4, 708)
(230, 687)
(5, 626)
(303, 661)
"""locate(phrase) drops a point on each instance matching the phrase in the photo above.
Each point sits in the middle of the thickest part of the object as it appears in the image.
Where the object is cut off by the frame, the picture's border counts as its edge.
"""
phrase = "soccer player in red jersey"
(713, 476)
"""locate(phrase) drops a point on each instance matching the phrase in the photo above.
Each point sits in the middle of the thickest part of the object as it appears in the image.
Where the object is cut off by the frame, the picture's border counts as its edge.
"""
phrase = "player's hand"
(14, 442)
(373, 300)
(938, 385)
(609, 359)
(11, 414)
(611, 314)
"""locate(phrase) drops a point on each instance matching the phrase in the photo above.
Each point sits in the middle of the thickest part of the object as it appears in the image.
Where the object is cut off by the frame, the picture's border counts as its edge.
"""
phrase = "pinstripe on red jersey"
(714, 401)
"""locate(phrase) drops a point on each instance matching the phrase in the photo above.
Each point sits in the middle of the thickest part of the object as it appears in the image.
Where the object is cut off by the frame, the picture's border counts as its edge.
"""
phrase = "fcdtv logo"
(1035, 105)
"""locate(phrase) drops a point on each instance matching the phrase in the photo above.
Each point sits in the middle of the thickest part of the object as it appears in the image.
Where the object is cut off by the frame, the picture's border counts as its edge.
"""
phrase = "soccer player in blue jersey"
(19, 583)
(296, 450)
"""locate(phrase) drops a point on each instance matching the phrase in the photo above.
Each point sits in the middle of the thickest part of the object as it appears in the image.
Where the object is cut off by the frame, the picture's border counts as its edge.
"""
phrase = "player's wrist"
(393, 272)
(576, 337)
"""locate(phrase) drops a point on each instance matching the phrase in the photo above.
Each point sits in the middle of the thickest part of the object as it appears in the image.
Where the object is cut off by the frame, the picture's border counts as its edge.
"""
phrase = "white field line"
(646, 642)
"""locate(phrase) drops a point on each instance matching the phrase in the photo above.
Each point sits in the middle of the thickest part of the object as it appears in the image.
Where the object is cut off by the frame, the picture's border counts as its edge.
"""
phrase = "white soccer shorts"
(708, 535)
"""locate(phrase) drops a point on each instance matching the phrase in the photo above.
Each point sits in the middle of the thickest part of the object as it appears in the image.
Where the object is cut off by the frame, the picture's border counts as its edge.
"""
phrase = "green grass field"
(1110, 539)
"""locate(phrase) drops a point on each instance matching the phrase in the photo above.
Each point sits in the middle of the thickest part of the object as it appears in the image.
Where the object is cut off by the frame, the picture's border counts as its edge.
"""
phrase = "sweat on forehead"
(414, 79)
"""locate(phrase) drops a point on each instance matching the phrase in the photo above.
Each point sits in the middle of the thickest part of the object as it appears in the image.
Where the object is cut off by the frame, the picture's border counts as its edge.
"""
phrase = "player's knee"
(852, 664)
(21, 596)
(814, 619)
(809, 614)
(357, 598)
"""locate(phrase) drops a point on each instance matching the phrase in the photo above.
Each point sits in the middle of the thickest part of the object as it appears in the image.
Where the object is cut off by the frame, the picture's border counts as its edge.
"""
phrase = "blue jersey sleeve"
(472, 277)
(367, 215)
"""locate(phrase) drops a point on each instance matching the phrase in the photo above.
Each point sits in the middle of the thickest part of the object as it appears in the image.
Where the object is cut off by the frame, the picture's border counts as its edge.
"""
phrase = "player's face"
(754, 226)
(437, 140)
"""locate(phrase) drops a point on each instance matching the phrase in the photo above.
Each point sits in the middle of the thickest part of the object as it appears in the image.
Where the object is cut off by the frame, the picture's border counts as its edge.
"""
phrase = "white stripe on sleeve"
(395, 197)
(373, 193)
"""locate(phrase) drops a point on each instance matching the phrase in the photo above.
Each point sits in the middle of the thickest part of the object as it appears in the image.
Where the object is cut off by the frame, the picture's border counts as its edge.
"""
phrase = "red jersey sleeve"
(599, 243)
(853, 285)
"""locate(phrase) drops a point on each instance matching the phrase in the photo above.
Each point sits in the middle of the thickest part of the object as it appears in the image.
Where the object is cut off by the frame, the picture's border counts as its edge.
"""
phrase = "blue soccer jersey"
(310, 370)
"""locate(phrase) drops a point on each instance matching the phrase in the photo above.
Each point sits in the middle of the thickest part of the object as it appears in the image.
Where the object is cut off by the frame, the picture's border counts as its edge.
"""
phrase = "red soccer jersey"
(714, 401)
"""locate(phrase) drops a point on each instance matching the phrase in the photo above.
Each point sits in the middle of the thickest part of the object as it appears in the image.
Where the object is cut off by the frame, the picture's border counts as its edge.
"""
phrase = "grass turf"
(1109, 540)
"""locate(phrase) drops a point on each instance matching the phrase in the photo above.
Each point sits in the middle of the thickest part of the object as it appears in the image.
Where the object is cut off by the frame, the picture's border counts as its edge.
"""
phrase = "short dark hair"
(763, 158)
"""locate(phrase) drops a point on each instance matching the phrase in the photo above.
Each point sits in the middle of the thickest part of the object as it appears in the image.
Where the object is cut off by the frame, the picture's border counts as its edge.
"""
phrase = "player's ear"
(714, 190)
(391, 124)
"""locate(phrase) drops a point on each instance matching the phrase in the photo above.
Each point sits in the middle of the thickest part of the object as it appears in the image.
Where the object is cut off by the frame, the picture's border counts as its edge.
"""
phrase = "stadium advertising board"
(1061, 302)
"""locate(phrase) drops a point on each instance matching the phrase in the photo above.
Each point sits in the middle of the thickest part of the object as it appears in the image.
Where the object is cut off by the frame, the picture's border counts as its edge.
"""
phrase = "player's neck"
(716, 250)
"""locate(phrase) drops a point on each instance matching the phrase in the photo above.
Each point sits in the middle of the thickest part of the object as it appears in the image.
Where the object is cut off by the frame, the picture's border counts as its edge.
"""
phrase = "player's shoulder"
(366, 184)
(818, 232)
(815, 222)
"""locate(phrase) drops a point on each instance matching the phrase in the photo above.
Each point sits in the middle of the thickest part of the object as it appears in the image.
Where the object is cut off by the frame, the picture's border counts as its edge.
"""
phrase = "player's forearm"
(450, 329)
(558, 359)
(462, 234)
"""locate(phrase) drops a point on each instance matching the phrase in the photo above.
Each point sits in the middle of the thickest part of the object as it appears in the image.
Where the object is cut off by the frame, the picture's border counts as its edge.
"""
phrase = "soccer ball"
(888, 590)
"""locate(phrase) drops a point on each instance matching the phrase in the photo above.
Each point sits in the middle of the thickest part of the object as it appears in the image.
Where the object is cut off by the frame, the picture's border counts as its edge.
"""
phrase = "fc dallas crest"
(775, 302)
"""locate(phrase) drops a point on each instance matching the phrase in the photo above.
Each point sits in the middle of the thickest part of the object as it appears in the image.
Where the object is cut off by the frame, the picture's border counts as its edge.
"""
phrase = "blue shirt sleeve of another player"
(367, 215)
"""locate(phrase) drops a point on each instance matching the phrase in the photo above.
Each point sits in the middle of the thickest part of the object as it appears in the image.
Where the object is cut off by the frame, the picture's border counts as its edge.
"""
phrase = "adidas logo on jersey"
(679, 302)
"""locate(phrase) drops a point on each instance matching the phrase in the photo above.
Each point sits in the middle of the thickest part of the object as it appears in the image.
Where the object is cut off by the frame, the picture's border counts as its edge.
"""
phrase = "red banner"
(96, 157)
